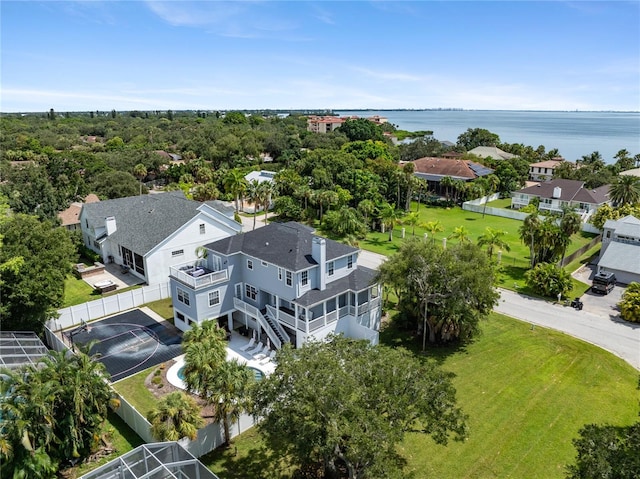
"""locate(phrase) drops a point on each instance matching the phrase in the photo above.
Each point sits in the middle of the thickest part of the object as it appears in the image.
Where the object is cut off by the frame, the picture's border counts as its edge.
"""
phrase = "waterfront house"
(491, 152)
(281, 282)
(432, 170)
(543, 170)
(149, 233)
(555, 194)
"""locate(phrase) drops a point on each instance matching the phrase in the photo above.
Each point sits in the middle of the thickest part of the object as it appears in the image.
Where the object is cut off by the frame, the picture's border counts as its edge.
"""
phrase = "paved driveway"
(604, 305)
(611, 333)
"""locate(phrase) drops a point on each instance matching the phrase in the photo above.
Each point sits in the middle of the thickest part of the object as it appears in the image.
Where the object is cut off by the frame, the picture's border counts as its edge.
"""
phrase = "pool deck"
(233, 352)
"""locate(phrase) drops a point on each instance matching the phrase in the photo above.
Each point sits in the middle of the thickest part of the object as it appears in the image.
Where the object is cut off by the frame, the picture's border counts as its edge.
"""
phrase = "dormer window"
(350, 262)
(330, 268)
(249, 264)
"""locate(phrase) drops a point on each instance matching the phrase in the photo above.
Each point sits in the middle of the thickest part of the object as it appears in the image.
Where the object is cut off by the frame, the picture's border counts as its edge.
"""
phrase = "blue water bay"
(574, 134)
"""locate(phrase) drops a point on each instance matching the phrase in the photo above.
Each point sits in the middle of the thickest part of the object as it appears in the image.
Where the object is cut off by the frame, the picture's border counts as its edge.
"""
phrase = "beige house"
(543, 170)
(70, 218)
(324, 124)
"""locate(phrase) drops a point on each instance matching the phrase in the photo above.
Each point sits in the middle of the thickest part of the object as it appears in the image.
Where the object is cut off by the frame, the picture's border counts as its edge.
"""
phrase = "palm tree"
(205, 351)
(447, 183)
(140, 172)
(367, 208)
(230, 393)
(432, 228)
(235, 184)
(253, 195)
(266, 193)
(570, 224)
(492, 238)
(175, 416)
(625, 190)
(389, 217)
(460, 233)
(412, 220)
(528, 232)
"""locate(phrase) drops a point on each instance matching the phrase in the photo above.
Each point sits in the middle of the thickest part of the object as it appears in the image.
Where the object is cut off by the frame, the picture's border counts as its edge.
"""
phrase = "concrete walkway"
(614, 335)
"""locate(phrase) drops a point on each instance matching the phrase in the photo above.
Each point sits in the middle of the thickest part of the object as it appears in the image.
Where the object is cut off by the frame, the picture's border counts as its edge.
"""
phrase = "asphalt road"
(610, 333)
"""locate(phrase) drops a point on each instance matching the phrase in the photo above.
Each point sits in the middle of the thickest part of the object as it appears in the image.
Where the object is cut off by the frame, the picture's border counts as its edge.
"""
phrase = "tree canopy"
(442, 292)
(344, 405)
(33, 288)
(52, 414)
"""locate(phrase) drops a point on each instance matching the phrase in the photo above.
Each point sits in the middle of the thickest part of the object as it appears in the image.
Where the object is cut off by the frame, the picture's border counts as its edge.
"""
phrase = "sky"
(214, 55)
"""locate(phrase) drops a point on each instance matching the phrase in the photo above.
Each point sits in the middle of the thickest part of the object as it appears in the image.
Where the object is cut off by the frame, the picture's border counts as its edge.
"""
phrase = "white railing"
(287, 318)
(316, 323)
(195, 282)
(255, 313)
(274, 314)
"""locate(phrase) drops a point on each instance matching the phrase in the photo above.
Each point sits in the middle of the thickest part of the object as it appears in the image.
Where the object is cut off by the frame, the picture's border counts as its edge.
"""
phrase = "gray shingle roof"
(571, 190)
(287, 245)
(627, 226)
(360, 279)
(621, 257)
(143, 222)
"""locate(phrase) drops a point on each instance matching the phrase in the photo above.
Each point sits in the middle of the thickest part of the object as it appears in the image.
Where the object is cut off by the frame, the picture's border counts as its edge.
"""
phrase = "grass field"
(162, 307)
(136, 393)
(77, 291)
(527, 393)
(514, 262)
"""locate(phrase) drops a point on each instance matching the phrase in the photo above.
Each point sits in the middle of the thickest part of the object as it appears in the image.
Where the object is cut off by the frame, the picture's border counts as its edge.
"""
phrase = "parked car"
(603, 282)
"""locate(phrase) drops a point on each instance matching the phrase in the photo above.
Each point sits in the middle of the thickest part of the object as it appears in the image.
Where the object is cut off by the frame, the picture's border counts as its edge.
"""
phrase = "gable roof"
(570, 190)
(547, 164)
(491, 151)
(71, 216)
(143, 222)
(627, 226)
(434, 169)
(621, 257)
(287, 245)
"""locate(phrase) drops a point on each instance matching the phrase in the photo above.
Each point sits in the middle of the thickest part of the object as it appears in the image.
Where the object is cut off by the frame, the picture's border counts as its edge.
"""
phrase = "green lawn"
(527, 393)
(514, 262)
(162, 307)
(136, 393)
(77, 291)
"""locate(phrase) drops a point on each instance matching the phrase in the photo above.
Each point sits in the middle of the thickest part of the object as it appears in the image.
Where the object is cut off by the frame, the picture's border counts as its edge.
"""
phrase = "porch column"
(230, 321)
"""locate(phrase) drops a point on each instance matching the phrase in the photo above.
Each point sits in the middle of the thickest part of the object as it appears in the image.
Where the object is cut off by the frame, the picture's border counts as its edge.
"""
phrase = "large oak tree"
(343, 406)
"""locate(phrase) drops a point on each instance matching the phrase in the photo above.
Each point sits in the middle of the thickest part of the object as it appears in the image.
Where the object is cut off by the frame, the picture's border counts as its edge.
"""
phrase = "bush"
(630, 304)
(547, 279)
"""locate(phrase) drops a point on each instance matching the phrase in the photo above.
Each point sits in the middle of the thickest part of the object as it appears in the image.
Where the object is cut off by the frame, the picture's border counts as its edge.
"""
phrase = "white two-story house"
(555, 194)
(620, 252)
(150, 233)
(283, 282)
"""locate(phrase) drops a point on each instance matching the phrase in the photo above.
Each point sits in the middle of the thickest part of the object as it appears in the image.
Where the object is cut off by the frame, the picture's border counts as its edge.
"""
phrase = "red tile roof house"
(434, 169)
(555, 194)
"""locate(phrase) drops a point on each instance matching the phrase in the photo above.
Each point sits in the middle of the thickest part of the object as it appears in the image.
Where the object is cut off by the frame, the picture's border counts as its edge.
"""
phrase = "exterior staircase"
(275, 325)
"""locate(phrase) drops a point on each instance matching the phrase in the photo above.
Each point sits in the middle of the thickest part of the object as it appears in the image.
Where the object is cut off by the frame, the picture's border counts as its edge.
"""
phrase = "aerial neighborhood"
(182, 288)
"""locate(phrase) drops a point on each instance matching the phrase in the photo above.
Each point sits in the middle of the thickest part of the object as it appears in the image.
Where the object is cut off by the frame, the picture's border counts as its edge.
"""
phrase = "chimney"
(319, 254)
(110, 225)
(557, 192)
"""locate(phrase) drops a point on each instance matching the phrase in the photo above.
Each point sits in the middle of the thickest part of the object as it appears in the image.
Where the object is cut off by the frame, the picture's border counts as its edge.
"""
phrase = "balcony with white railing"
(198, 276)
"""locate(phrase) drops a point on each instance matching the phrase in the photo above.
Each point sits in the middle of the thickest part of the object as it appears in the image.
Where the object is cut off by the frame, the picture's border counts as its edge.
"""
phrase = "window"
(350, 262)
(214, 298)
(249, 264)
(202, 229)
(265, 264)
(180, 316)
(178, 252)
(289, 279)
(279, 274)
(183, 296)
(305, 278)
(330, 268)
(250, 292)
(609, 234)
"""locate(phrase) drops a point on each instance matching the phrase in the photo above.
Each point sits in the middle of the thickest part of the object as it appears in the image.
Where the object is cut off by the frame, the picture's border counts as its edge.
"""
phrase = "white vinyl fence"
(73, 315)
(477, 206)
